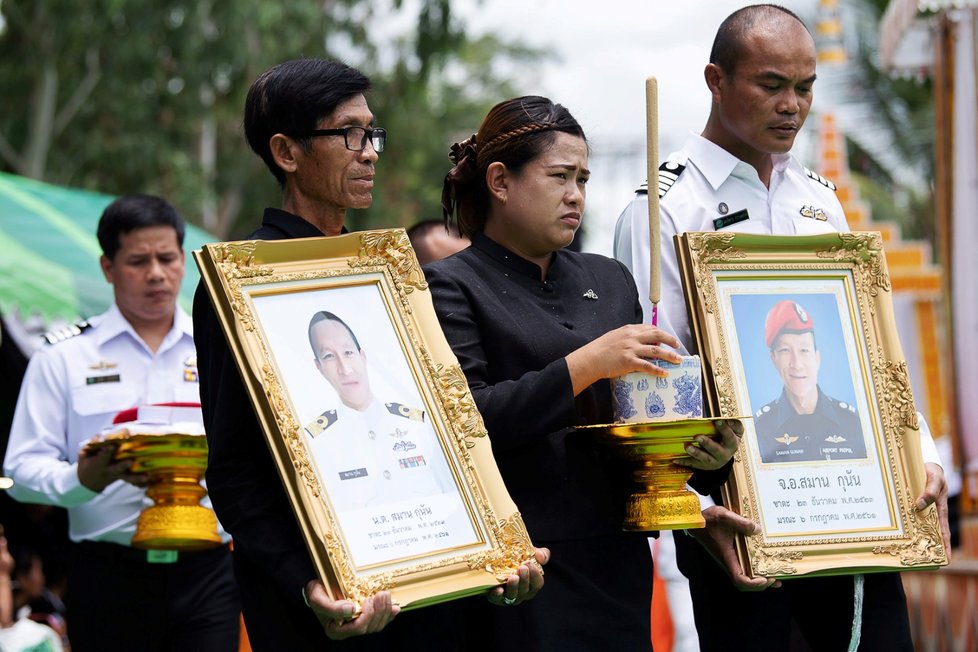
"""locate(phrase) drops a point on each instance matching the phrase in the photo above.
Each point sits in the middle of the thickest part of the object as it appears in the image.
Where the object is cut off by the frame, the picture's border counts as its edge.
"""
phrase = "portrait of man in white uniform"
(369, 451)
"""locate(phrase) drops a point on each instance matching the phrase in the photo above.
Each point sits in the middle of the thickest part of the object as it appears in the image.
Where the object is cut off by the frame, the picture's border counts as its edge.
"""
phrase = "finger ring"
(509, 602)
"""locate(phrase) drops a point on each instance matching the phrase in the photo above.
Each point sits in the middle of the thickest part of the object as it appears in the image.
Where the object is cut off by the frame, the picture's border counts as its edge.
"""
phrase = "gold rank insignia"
(835, 439)
(103, 364)
(786, 439)
(404, 411)
(323, 421)
(814, 213)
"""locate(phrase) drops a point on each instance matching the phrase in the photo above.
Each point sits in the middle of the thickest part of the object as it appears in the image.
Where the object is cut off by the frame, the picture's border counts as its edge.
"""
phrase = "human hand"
(711, 454)
(719, 539)
(6, 593)
(97, 469)
(935, 492)
(339, 618)
(524, 584)
(621, 351)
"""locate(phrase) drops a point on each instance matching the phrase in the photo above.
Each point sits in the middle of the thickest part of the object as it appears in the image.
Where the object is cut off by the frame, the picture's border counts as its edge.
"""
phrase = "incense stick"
(652, 144)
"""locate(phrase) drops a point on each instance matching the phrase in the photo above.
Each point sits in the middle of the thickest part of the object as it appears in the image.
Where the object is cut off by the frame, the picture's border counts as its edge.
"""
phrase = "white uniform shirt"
(716, 184)
(71, 391)
(376, 457)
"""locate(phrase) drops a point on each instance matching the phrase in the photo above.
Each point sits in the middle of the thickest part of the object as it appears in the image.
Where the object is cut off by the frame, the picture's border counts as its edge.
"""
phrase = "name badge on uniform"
(353, 474)
(95, 380)
(728, 220)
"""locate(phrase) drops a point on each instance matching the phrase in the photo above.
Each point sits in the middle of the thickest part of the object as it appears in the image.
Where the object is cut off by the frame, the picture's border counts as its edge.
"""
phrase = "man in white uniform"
(738, 175)
(370, 452)
(139, 352)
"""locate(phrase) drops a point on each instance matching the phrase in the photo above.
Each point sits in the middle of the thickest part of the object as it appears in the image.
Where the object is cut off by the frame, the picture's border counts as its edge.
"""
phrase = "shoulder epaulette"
(66, 333)
(323, 421)
(818, 177)
(668, 173)
(404, 411)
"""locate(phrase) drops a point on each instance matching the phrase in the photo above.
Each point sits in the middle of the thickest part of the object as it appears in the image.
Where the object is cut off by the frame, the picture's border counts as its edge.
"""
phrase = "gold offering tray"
(175, 464)
(154, 452)
(660, 500)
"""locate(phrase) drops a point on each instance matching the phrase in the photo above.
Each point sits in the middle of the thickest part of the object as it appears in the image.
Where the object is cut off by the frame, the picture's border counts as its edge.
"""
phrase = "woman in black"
(538, 330)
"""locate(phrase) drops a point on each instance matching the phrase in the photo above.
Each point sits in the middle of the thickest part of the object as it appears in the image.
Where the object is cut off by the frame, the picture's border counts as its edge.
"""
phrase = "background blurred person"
(17, 632)
(433, 240)
(140, 351)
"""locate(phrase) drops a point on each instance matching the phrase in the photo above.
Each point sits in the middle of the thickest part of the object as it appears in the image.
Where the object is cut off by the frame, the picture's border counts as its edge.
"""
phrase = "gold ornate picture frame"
(834, 490)
(367, 414)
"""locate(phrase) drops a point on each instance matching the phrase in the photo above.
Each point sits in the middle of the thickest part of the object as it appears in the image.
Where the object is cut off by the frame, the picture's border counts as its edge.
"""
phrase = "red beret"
(786, 316)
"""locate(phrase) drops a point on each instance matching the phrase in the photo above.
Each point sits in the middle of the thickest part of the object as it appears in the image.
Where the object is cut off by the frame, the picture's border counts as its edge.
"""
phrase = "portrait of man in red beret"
(804, 423)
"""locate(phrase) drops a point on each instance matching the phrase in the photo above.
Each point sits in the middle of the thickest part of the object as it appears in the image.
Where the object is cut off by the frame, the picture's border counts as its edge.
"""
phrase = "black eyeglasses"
(355, 138)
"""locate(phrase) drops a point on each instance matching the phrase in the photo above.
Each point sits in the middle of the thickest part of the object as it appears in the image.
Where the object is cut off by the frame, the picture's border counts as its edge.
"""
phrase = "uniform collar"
(343, 407)
(112, 324)
(717, 164)
(291, 225)
(508, 259)
(822, 407)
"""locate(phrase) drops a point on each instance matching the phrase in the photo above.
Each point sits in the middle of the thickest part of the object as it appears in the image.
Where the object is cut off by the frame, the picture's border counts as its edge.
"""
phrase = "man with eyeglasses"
(309, 121)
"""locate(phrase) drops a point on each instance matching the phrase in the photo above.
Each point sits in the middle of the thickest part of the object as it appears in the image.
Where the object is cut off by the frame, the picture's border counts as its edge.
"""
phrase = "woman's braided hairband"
(519, 131)
(467, 151)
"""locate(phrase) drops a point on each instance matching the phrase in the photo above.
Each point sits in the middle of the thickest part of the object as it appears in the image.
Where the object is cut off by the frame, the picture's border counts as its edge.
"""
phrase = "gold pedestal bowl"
(175, 464)
(660, 500)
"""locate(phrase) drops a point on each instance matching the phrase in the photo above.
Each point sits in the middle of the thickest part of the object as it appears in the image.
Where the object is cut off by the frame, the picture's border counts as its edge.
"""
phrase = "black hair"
(424, 227)
(322, 316)
(728, 45)
(24, 558)
(131, 212)
(292, 98)
(418, 235)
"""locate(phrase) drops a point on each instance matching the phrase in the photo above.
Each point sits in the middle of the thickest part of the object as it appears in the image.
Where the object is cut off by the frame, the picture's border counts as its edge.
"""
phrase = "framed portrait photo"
(799, 332)
(367, 415)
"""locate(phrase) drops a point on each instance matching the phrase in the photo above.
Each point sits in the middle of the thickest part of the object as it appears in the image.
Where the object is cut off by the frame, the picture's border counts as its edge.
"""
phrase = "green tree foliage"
(142, 95)
(899, 185)
(425, 116)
